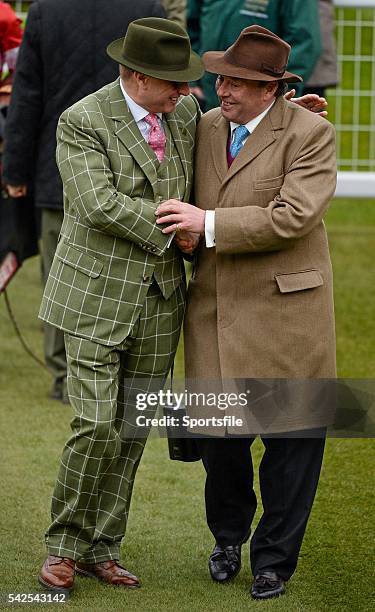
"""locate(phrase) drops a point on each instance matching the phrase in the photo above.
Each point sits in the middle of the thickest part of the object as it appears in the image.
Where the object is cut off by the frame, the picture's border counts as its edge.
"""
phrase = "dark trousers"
(288, 474)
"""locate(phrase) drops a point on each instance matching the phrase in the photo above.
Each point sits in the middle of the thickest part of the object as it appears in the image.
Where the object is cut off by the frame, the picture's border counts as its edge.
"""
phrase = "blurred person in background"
(325, 73)
(12, 222)
(214, 24)
(10, 40)
(62, 59)
(176, 11)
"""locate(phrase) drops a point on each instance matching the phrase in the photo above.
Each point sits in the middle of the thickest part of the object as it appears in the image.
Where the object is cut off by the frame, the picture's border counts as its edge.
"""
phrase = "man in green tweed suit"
(117, 286)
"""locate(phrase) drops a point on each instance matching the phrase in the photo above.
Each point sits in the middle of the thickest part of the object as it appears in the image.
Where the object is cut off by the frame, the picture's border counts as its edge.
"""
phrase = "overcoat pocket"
(298, 281)
(271, 183)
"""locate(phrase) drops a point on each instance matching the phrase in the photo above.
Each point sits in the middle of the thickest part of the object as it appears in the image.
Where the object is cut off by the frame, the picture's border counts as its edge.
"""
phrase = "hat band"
(270, 70)
(273, 71)
(143, 64)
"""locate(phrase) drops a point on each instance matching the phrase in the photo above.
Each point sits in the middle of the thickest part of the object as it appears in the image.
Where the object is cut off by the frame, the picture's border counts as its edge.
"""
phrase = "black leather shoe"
(225, 562)
(267, 584)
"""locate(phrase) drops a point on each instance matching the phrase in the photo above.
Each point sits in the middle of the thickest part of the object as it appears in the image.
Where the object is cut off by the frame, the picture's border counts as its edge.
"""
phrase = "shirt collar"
(252, 124)
(138, 112)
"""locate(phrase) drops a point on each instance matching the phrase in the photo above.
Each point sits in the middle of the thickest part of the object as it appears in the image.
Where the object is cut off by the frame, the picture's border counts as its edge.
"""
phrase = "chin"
(170, 107)
(227, 114)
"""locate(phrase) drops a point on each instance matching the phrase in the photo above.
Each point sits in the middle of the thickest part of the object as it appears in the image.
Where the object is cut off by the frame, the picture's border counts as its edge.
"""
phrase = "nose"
(221, 89)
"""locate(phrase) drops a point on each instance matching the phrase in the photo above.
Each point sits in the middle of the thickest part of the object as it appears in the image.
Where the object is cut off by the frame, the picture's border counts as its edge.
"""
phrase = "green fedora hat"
(159, 48)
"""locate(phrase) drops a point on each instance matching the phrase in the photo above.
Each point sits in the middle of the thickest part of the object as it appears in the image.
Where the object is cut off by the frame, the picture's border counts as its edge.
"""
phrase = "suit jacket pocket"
(79, 260)
(298, 281)
(270, 183)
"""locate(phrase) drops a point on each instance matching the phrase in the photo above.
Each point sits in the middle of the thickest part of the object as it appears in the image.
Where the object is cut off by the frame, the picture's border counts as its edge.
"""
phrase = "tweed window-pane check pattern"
(91, 499)
(111, 245)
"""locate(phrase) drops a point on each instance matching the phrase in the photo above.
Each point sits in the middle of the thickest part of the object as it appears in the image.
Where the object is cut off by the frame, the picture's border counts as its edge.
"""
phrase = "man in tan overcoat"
(260, 301)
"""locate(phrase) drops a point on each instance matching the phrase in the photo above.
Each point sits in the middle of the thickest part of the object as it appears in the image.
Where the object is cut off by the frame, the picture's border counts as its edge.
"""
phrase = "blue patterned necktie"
(240, 133)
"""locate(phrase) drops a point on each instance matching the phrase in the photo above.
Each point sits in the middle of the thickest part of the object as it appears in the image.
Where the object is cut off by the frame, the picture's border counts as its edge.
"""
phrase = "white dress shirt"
(209, 223)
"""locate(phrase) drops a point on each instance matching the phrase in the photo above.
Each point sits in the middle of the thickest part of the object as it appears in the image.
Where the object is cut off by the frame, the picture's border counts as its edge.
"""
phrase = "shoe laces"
(264, 581)
(232, 555)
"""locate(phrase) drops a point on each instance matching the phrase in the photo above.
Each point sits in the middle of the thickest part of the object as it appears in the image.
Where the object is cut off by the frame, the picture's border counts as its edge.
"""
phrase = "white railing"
(353, 102)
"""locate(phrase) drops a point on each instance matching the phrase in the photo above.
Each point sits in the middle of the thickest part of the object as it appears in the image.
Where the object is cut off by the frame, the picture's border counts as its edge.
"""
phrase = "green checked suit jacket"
(110, 247)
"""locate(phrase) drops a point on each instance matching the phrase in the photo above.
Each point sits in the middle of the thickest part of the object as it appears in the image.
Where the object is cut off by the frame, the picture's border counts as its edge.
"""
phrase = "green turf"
(351, 225)
(168, 542)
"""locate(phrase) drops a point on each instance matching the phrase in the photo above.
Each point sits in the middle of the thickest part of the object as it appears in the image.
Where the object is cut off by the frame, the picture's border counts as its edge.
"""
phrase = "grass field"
(168, 543)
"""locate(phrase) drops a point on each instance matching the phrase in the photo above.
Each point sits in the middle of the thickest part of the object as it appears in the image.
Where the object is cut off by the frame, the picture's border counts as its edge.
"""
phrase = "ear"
(270, 90)
(142, 79)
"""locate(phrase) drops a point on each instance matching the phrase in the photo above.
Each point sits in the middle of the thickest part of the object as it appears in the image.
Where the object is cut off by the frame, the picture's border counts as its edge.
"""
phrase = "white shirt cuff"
(170, 240)
(209, 228)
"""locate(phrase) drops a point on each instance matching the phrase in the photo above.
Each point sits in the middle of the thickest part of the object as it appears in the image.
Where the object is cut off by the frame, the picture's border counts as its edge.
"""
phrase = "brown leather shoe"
(57, 574)
(110, 572)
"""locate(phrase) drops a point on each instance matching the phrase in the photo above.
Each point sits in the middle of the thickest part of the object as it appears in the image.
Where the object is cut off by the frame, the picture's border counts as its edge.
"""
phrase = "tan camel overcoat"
(260, 303)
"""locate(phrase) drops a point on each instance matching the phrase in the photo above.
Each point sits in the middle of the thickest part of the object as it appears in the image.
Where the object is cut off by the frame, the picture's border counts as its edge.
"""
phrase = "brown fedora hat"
(257, 54)
(159, 48)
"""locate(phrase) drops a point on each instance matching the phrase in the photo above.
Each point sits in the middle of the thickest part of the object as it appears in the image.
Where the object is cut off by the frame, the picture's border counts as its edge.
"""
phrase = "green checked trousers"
(91, 499)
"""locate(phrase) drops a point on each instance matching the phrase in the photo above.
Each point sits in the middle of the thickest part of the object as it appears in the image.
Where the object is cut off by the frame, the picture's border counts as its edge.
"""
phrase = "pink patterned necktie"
(156, 137)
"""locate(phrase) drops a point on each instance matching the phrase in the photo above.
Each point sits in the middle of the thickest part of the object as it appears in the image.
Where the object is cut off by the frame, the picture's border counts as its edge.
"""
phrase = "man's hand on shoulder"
(311, 102)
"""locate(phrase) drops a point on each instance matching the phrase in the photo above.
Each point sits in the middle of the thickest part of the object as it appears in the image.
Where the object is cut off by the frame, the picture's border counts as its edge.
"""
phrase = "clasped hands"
(184, 219)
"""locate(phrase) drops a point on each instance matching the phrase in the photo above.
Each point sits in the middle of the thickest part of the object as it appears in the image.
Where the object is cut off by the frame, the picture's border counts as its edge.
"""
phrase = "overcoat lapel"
(127, 131)
(218, 143)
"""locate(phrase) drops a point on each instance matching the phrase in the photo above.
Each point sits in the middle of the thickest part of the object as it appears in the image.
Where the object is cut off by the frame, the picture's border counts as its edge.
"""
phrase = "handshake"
(186, 241)
(185, 220)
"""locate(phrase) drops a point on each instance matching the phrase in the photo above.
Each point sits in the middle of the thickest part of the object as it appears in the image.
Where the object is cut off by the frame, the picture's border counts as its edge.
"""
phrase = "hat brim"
(215, 62)
(192, 72)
